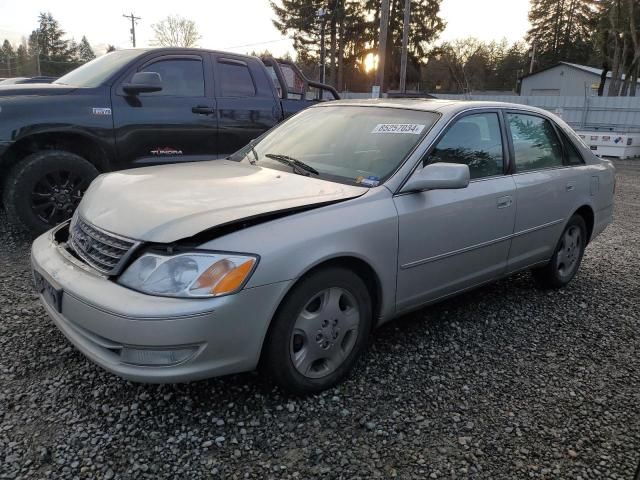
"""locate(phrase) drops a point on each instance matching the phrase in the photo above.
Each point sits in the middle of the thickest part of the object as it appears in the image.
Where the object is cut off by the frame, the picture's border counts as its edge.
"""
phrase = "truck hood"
(34, 89)
(171, 202)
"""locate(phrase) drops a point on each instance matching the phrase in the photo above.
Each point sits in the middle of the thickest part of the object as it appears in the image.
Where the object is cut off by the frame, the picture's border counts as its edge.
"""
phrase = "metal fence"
(610, 114)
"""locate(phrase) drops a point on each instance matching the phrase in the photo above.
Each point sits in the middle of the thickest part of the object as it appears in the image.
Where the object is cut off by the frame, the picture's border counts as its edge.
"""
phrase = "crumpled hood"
(34, 89)
(170, 202)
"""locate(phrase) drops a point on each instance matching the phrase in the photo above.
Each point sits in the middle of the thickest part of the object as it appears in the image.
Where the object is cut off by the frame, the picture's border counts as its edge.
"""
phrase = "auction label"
(413, 128)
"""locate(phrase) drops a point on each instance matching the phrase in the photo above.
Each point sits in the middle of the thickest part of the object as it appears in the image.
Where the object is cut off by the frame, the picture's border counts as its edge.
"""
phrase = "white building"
(567, 79)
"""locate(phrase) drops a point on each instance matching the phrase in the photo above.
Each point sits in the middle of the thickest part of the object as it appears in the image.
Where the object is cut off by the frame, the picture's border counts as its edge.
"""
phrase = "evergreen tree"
(24, 66)
(74, 52)
(7, 60)
(48, 43)
(351, 32)
(424, 27)
(85, 52)
(562, 30)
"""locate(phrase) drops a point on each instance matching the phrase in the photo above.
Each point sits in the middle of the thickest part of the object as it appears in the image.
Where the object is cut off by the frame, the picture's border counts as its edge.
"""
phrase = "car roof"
(434, 104)
(187, 50)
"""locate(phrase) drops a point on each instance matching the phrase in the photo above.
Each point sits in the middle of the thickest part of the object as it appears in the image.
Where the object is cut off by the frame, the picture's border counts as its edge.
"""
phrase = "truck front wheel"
(44, 189)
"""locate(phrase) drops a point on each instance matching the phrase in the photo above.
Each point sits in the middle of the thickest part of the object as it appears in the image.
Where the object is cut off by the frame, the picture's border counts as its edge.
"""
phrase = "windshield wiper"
(252, 144)
(294, 163)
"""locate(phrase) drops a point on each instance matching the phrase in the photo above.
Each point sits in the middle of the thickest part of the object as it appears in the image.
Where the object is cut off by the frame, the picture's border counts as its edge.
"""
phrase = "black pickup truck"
(133, 108)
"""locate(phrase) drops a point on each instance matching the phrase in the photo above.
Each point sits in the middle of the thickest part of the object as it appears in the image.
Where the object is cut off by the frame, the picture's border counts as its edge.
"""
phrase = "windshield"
(357, 145)
(96, 71)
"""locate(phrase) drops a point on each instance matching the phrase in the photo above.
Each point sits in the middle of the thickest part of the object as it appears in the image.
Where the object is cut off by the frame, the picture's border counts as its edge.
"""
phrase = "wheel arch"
(359, 266)
(588, 215)
(78, 143)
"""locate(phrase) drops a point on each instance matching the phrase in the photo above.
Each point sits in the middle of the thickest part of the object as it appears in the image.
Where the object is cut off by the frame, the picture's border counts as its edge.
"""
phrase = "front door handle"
(203, 109)
(570, 186)
(504, 202)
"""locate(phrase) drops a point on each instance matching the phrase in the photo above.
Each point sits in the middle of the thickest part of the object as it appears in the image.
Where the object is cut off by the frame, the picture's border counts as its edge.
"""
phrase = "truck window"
(182, 77)
(235, 80)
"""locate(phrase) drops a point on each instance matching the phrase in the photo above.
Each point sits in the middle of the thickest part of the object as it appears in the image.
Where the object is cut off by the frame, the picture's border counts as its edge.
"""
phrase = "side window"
(181, 77)
(572, 156)
(235, 80)
(474, 140)
(535, 143)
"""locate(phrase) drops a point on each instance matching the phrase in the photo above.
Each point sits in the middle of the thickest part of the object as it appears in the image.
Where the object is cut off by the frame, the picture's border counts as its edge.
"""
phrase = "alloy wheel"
(56, 195)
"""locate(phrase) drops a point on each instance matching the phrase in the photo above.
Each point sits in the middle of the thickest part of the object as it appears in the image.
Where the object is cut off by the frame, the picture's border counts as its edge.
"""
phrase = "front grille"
(103, 251)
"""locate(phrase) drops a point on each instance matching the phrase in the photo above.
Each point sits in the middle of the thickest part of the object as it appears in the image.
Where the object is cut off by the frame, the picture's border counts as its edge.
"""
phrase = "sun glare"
(370, 62)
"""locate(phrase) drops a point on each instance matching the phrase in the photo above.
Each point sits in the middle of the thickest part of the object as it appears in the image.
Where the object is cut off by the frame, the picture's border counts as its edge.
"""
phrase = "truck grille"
(103, 251)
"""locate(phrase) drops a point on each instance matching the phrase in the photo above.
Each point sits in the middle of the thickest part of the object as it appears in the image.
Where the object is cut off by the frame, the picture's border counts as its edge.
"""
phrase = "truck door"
(246, 101)
(175, 124)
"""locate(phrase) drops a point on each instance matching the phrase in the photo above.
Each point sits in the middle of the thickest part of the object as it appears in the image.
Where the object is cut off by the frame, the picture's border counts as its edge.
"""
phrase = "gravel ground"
(503, 382)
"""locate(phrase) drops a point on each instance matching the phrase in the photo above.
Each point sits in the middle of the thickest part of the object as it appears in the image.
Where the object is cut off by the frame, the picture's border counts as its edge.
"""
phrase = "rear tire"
(44, 189)
(566, 259)
(319, 332)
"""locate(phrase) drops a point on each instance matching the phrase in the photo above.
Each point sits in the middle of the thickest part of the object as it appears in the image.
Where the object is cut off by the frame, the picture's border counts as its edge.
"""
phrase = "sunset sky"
(238, 25)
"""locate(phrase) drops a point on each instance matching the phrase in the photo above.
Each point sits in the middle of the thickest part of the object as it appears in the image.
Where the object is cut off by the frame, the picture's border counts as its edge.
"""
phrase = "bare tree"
(175, 31)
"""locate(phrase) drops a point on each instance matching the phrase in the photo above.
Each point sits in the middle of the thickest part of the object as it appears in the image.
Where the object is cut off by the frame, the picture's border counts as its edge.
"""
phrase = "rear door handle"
(203, 109)
(504, 202)
(570, 186)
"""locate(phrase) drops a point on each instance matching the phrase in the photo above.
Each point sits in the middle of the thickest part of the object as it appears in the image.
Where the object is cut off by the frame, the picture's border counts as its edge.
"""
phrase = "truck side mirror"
(143, 82)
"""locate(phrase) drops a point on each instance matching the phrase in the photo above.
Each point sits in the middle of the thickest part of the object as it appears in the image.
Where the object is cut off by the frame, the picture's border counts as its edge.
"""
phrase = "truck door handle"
(570, 186)
(504, 202)
(203, 109)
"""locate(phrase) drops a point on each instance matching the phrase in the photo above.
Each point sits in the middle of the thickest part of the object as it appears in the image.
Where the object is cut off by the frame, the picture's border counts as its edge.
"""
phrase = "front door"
(450, 240)
(175, 124)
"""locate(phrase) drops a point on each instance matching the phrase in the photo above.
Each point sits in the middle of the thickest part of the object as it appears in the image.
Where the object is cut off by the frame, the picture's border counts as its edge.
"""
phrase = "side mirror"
(438, 176)
(143, 82)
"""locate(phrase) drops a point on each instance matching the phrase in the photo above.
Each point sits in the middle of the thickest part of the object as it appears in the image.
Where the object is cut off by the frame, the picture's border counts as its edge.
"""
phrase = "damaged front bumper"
(146, 338)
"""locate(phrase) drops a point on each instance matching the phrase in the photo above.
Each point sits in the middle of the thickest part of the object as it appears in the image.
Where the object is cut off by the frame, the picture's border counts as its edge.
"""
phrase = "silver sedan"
(287, 255)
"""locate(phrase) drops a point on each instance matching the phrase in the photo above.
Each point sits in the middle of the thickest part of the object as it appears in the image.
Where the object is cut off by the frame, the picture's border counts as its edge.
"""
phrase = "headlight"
(189, 274)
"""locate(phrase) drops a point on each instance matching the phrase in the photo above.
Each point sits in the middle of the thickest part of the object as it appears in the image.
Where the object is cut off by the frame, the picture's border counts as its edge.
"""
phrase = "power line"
(257, 43)
(133, 19)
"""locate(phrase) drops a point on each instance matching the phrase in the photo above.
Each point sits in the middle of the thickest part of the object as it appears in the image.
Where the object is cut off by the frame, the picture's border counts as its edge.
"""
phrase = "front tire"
(319, 332)
(44, 189)
(566, 259)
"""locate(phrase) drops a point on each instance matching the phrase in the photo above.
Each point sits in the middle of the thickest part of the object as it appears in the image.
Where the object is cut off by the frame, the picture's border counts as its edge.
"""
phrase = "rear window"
(572, 156)
(235, 79)
(535, 143)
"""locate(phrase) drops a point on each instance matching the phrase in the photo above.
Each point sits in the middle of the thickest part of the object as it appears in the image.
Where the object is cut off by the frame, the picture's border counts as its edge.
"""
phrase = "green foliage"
(8, 66)
(352, 30)
(47, 44)
(85, 52)
(563, 30)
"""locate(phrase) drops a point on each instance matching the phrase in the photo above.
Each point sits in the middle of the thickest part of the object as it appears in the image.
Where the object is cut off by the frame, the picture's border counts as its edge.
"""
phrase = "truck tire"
(44, 189)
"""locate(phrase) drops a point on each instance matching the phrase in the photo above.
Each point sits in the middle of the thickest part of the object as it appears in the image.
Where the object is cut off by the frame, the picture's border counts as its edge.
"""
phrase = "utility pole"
(405, 44)
(533, 57)
(321, 13)
(38, 52)
(133, 19)
(382, 47)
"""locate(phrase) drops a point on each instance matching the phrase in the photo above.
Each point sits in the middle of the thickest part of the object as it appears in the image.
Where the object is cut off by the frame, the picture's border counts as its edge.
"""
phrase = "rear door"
(548, 187)
(450, 240)
(175, 124)
(246, 101)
